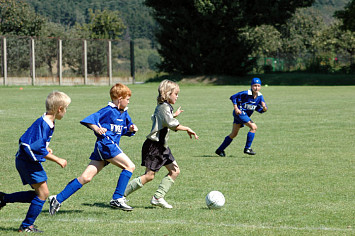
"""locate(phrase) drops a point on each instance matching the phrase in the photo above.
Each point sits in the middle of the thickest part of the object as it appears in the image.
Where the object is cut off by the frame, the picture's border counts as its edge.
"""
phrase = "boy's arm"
(178, 112)
(97, 129)
(236, 109)
(189, 131)
(60, 161)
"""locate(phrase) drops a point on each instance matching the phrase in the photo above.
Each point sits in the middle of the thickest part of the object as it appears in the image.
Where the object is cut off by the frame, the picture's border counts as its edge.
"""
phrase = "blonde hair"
(120, 90)
(56, 99)
(166, 88)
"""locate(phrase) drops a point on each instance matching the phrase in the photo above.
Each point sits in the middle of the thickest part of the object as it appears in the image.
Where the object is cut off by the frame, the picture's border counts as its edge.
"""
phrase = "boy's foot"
(2, 200)
(121, 204)
(249, 151)
(54, 205)
(220, 153)
(29, 229)
(160, 202)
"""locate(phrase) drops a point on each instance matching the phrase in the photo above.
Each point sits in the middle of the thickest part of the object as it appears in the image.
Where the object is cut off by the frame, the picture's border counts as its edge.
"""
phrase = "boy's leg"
(118, 199)
(23, 197)
(73, 186)
(36, 205)
(164, 187)
(250, 138)
(133, 185)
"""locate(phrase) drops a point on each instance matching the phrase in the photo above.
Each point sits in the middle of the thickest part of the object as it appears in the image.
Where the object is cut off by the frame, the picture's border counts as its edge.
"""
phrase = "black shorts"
(155, 155)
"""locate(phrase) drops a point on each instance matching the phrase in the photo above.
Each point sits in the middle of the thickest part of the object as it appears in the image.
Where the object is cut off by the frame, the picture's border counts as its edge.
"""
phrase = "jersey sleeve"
(126, 131)
(168, 120)
(259, 107)
(236, 98)
(91, 119)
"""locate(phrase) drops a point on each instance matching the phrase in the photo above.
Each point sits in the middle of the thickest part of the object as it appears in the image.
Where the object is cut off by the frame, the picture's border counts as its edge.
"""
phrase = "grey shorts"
(155, 155)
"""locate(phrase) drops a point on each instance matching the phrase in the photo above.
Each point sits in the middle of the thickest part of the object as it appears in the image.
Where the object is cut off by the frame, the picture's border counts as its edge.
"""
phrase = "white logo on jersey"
(250, 107)
(116, 128)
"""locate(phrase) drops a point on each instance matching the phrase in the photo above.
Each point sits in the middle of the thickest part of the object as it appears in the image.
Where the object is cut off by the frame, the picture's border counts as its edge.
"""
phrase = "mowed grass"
(301, 182)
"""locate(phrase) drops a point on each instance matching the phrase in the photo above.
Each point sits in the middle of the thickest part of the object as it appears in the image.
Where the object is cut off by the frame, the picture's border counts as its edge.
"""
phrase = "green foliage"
(209, 37)
(347, 16)
(17, 18)
(104, 24)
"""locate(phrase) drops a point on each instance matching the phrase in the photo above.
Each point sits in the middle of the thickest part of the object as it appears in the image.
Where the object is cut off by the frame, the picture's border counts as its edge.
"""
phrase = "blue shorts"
(241, 119)
(105, 149)
(31, 172)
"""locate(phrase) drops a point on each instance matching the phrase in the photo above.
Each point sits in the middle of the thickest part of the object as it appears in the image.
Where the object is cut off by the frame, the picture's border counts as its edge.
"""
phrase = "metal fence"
(53, 61)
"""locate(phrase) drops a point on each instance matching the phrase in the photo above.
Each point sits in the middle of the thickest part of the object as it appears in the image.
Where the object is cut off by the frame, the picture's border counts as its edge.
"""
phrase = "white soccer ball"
(215, 200)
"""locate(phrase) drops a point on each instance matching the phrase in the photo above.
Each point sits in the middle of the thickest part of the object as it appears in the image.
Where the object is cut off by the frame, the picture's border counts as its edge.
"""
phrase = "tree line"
(200, 36)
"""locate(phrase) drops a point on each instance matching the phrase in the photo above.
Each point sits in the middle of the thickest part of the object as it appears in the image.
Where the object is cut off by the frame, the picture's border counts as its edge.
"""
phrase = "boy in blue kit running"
(33, 149)
(245, 103)
(108, 124)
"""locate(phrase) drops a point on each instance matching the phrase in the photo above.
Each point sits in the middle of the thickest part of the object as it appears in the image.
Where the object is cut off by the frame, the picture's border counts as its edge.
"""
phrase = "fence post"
(32, 61)
(60, 61)
(4, 60)
(85, 62)
(109, 62)
(132, 61)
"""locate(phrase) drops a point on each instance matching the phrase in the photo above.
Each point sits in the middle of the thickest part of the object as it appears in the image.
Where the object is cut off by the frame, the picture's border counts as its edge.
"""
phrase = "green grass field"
(301, 182)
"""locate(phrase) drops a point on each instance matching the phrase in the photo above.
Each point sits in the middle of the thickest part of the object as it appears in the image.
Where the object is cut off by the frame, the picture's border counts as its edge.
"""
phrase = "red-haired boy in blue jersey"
(245, 103)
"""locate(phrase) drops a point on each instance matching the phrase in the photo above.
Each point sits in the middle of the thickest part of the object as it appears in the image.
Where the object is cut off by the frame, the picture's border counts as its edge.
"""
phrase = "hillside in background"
(134, 13)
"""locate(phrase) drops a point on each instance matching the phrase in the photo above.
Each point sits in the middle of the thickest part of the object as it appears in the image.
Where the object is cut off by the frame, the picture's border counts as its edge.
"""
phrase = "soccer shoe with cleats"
(160, 202)
(54, 205)
(220, 153)
(121, 204)
(29, 229)
(249, 151)
(2, 200)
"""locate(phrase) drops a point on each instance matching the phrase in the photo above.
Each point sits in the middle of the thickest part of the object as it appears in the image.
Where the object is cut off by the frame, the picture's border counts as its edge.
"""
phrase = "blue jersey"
(116, 123)
(34, 142)
(246, 102)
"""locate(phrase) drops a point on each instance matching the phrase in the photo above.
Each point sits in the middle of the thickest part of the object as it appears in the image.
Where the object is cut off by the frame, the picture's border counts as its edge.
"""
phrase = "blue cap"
(255, 81)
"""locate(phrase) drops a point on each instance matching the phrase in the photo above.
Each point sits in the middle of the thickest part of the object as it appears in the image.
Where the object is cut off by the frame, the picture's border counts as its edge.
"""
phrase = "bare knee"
(131, 167)
(84, 179)
(174, 173)
(147, 178)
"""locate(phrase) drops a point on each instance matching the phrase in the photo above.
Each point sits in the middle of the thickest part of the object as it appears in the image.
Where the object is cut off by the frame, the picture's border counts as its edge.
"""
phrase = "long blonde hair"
(166, 88)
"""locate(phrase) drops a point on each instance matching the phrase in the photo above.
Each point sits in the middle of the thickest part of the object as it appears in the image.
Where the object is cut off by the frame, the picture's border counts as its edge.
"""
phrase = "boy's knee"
(131, 167)
(84, 179)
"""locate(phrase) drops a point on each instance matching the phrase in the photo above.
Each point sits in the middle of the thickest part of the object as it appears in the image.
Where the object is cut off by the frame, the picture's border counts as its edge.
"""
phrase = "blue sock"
(33, 212)
(24, 197)
(69, 190)
(225, 144)
(122, 184)
(250, 138)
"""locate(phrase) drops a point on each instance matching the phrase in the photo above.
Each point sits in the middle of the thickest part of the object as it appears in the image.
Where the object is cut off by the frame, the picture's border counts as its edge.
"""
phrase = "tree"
(209, 36)
(17, 18)
(347, 16)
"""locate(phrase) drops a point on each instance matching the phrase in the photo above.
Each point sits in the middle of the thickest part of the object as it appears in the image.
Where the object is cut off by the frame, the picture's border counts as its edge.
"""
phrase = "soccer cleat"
(160, 202)
(249, 151)
(2, 200)
(29, 229)
(121, 204)
(220, 153)
(54, 205)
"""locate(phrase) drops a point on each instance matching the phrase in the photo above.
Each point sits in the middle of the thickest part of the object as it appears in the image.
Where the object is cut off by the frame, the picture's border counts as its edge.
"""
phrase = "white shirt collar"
(251, 93)
(111, 104)
(48, 121)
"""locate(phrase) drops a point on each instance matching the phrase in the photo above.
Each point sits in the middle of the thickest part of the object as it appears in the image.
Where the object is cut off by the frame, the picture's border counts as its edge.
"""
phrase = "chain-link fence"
(53, 61)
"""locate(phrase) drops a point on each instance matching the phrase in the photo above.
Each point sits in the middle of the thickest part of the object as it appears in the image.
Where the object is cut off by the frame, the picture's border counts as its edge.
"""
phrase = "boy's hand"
(133, 128)
(178, 111)
(101, 131)
(264, 106)
(190, 132)
(49, 150)
(62, 162)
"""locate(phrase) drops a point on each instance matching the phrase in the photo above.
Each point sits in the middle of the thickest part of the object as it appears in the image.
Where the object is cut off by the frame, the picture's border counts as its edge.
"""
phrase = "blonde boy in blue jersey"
(155, 150)
(33, 150)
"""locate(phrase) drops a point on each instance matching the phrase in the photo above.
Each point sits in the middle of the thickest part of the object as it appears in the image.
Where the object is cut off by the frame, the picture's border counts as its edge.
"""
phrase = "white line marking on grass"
(175, 222)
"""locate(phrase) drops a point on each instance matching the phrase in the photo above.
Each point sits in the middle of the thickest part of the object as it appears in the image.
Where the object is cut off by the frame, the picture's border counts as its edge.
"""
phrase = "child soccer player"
(155, 150)
(245, 103)
(33, 150)
(108, 124)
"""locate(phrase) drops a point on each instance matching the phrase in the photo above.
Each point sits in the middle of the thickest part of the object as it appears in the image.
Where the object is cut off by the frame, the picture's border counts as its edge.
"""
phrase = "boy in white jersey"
(155, 150)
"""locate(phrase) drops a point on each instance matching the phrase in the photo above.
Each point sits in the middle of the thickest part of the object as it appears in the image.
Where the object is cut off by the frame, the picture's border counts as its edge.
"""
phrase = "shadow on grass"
(64, 211)
(8, 229)
(97, 204)
(276, 78)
